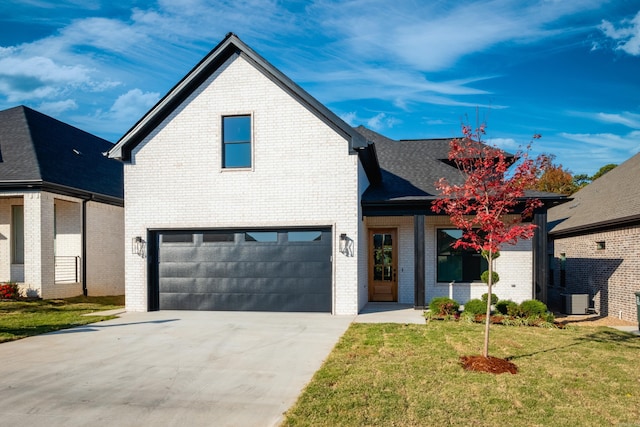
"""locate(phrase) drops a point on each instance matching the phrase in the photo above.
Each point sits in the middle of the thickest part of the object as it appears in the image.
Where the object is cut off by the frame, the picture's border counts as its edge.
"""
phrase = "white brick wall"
(302, 174)
(37, 275)
(515, 264)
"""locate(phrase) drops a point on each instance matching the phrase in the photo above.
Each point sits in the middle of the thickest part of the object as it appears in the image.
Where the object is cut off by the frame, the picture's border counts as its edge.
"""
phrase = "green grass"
(20, 319)
(409, 375)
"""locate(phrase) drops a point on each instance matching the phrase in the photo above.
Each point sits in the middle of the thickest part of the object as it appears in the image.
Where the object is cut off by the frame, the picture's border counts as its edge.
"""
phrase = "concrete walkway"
(389, 312)
(166, 368)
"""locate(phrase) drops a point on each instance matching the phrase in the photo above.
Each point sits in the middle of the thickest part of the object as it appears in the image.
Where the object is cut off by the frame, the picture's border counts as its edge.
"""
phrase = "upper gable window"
(236, 141)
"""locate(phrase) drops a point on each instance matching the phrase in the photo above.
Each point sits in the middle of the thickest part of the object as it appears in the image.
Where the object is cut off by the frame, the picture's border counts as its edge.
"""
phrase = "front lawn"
(410, 375)
(20, 319)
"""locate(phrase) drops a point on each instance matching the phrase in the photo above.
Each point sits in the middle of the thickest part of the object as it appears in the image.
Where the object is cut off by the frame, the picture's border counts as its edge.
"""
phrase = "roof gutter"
(597, 226)
(31, 185)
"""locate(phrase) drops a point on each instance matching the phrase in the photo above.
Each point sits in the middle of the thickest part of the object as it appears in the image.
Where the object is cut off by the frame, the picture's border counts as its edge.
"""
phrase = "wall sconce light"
(346, 245)
(138, 246)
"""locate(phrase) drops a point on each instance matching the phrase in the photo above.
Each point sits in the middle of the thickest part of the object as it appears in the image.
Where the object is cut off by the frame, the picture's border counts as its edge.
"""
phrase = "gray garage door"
(255, 270)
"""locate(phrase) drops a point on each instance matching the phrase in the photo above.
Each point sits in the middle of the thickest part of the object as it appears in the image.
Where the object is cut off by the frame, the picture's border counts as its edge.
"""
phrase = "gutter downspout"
(83, 268)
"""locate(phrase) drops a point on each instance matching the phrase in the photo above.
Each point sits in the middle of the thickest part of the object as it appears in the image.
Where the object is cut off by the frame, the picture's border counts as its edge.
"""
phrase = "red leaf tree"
(489, 204)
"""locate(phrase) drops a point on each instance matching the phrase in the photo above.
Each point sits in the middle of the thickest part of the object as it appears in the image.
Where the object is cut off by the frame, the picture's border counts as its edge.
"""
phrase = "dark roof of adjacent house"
(411, 168)
(610, 201)
(229, 46)
(40, 152)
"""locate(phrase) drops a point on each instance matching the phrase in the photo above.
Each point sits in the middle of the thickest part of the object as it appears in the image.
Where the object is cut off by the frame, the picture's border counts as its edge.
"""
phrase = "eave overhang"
(38, 185)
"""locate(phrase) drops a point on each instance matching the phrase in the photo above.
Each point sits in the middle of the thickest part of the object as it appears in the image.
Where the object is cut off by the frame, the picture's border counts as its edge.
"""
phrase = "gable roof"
(229, 46)
(611, 200)
(410, 170)
(38, 151)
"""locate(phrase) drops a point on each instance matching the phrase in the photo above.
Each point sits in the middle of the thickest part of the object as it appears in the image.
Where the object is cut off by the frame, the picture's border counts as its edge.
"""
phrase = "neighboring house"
(243, 192)
(595, 242)
(61, 208)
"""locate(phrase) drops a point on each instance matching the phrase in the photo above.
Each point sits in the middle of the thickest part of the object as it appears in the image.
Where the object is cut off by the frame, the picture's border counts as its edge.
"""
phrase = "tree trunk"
(485, 352)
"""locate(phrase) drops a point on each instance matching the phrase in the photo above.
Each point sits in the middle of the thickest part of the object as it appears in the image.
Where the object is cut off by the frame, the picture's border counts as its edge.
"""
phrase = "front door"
(383, 265)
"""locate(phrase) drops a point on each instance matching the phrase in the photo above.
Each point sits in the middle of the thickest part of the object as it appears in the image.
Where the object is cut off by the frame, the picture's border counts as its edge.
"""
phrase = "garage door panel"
(205, 274)
(244, 302)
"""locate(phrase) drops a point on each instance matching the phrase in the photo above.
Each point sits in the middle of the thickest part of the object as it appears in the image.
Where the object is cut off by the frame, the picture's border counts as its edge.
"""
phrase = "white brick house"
(61, 208)
(243, 192)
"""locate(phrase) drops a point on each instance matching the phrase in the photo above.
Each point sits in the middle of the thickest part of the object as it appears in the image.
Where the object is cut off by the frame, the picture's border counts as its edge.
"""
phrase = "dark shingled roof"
(38, 151)
(411, 168)
(611, 200)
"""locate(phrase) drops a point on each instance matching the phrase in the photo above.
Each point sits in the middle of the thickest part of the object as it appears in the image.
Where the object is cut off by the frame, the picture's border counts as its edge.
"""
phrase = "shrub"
(475, 306)
(494, 298)
(443, 306)
(506, 306)
(485, 277)
(532, 308)
(9, 291)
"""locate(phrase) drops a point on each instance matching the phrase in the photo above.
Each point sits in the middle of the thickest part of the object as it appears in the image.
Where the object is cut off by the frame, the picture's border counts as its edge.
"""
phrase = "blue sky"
(569, 70)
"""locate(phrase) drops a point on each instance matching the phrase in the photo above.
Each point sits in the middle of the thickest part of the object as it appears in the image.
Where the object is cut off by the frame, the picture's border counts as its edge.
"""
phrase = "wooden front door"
(383, 265)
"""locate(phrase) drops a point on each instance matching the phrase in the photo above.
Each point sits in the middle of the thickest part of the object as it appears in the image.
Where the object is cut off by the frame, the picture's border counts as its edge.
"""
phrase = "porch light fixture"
(346, 245)
(138, 246)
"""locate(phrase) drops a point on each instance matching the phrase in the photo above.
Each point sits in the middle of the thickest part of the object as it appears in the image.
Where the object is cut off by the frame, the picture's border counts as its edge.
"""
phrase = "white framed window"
(236, 141)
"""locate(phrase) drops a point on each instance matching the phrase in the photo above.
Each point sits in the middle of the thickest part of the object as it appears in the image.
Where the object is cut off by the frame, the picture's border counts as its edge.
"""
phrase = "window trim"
(251, 142)
(17, 236)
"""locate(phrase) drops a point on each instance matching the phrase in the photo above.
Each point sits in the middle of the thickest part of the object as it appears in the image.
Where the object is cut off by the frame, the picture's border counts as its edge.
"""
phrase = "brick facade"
(610, 276)
(53, 245)
(302, 174)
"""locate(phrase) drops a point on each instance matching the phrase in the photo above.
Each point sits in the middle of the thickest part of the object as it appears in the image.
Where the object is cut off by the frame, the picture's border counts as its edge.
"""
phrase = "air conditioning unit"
(576, 303)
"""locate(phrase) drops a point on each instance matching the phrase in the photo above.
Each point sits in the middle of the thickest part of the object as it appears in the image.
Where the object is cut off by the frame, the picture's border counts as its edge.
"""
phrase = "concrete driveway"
(166, 368)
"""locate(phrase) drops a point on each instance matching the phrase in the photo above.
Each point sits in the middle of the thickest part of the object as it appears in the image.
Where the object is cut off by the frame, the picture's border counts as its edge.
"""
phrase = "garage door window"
(261, 236)
(177, 238)
(304, 236)
(214, 237)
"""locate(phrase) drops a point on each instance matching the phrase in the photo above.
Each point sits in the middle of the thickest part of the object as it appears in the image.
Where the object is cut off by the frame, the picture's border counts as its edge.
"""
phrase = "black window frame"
(472, 263)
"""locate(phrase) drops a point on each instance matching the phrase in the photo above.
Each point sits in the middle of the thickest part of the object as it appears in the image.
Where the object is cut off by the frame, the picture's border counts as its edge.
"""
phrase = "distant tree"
(553, 178)
(581, 180)
(490, 204)
(603, 170)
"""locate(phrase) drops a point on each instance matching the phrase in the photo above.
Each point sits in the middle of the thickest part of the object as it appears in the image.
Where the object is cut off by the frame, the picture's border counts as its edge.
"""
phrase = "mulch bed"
(493, 365)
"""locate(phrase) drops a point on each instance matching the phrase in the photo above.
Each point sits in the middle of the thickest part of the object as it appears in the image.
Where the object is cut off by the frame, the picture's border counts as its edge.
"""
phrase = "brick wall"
(610, 276)
(105, 249)
(37, 276)
(302, 174)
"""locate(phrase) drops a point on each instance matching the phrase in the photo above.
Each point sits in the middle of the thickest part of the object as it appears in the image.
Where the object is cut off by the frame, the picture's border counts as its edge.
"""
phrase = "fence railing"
(67, 269)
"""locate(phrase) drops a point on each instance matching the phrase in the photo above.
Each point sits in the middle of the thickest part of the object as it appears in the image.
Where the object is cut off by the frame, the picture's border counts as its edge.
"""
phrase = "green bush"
(506, 306)
(532, 308)
(443, 306)
(475, 306)
(485, 277)
(494, 298)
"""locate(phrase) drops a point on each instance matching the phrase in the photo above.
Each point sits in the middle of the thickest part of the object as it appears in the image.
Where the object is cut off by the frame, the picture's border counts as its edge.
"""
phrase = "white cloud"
(625, 118)
(378, 122)
(133, 104)
(626, 34)
(57, 107)
(508, 144)
(628, 143)
(350, 118)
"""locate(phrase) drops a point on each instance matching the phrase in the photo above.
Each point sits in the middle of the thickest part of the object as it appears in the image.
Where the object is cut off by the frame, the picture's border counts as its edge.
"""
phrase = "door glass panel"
(382, 257)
